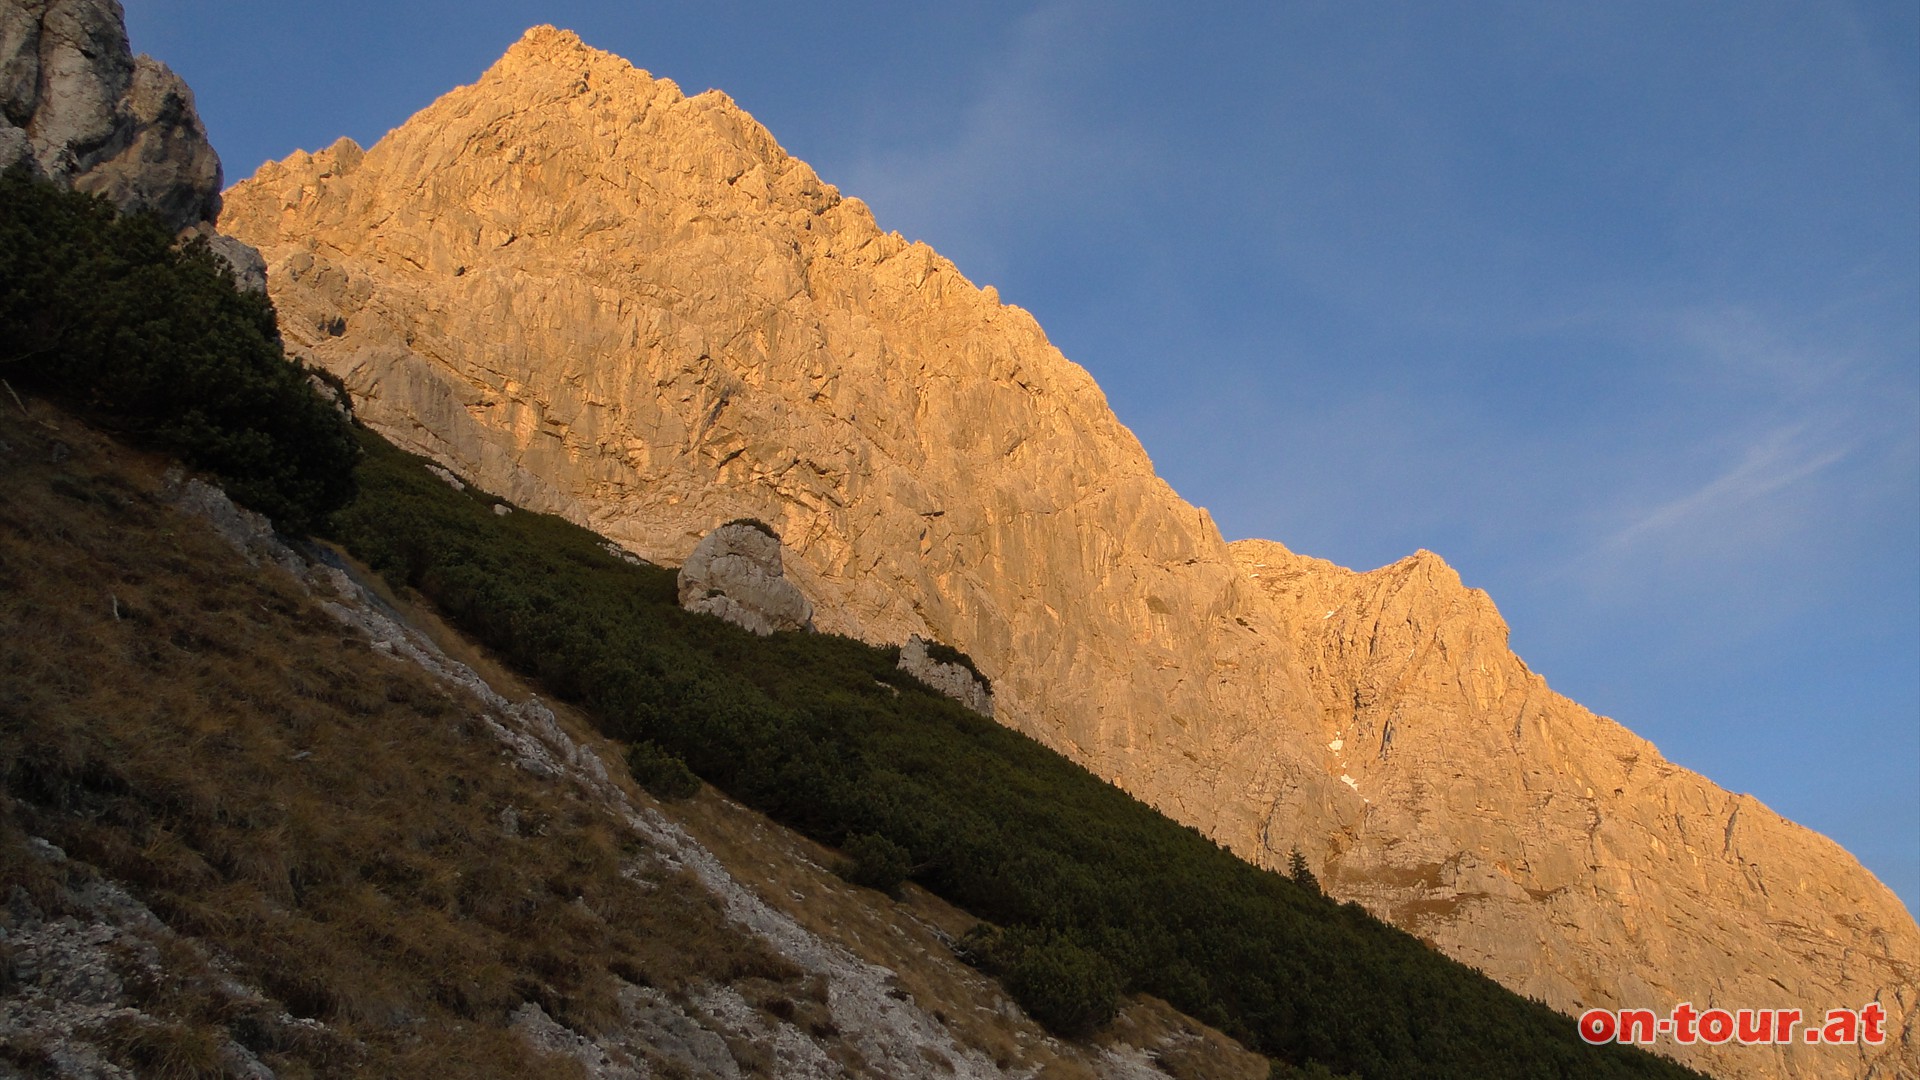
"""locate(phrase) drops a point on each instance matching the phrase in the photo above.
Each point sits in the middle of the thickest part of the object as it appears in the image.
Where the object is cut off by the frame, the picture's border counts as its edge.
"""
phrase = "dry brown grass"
(791, 873)
(333, 820)
(328, 817)
(1183, 1048)
(166, 1051)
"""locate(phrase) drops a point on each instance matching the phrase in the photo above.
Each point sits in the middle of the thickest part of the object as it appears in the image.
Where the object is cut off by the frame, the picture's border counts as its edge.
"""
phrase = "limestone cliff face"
(600, 297)
(1526, 836)
(86, 112)
(80, 109)
(603, 298)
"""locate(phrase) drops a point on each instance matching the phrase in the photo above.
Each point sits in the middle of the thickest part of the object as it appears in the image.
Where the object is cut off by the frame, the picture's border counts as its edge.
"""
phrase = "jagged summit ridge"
(600, 297)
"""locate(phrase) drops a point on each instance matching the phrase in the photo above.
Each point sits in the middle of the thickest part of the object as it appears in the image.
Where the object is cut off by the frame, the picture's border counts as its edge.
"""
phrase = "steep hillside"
(1085, 888)
(257, 823)
(605, 299)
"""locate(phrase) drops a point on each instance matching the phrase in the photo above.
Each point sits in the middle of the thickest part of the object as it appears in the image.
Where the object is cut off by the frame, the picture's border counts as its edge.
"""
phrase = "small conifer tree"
(1300, 872)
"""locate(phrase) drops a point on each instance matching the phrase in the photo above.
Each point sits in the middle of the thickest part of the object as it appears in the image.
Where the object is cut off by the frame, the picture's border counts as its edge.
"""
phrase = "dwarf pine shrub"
(106, 312)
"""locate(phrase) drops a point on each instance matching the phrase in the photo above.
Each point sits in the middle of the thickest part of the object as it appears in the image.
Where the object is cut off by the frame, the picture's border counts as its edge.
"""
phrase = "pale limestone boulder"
(157, 158)
(735, 574)
(65, 67)
(20, 59)
(99, 119)
(605, 299)
(953, 680)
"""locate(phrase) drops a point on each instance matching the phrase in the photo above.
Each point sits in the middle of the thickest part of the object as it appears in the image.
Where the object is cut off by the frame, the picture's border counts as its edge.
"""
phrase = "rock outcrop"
(80, 109)
(950, 677)
(735, 574)
(602, 298)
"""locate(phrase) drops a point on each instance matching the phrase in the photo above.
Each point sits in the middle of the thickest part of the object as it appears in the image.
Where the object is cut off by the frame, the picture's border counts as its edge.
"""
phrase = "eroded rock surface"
(735, 574)
(99, 119)
(1520, 833)
(80, 109)
(603, 298)
(955, 680)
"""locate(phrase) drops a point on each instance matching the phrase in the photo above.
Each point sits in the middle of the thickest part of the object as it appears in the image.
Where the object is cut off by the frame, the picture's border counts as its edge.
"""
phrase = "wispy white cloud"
(1737, 343)
(1738, 498)
(1795, 426)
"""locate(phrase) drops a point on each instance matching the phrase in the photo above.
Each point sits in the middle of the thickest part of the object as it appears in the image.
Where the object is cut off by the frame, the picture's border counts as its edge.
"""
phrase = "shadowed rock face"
(87, 113)
(600, 297)
(80, 109)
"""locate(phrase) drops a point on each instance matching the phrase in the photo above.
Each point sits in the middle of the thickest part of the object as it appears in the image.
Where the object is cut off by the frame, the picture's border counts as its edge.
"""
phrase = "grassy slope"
(326, 816)
(328, 819)
(823, 733)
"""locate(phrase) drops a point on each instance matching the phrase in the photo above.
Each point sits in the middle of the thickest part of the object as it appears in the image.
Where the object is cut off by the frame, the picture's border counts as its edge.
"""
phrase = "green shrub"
(875, 862)
(1280, 1070)
(754, 523)
(106, 312)
(663, 774)
(826, 735)
(1070, 990)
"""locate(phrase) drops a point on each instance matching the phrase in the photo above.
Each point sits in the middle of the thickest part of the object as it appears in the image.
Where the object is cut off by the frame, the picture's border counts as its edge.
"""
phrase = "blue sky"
(1616, 307)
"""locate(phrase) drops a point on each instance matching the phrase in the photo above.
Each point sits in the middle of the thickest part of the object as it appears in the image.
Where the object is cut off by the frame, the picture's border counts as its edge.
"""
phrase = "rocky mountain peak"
(547, 43)
(599, 297)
